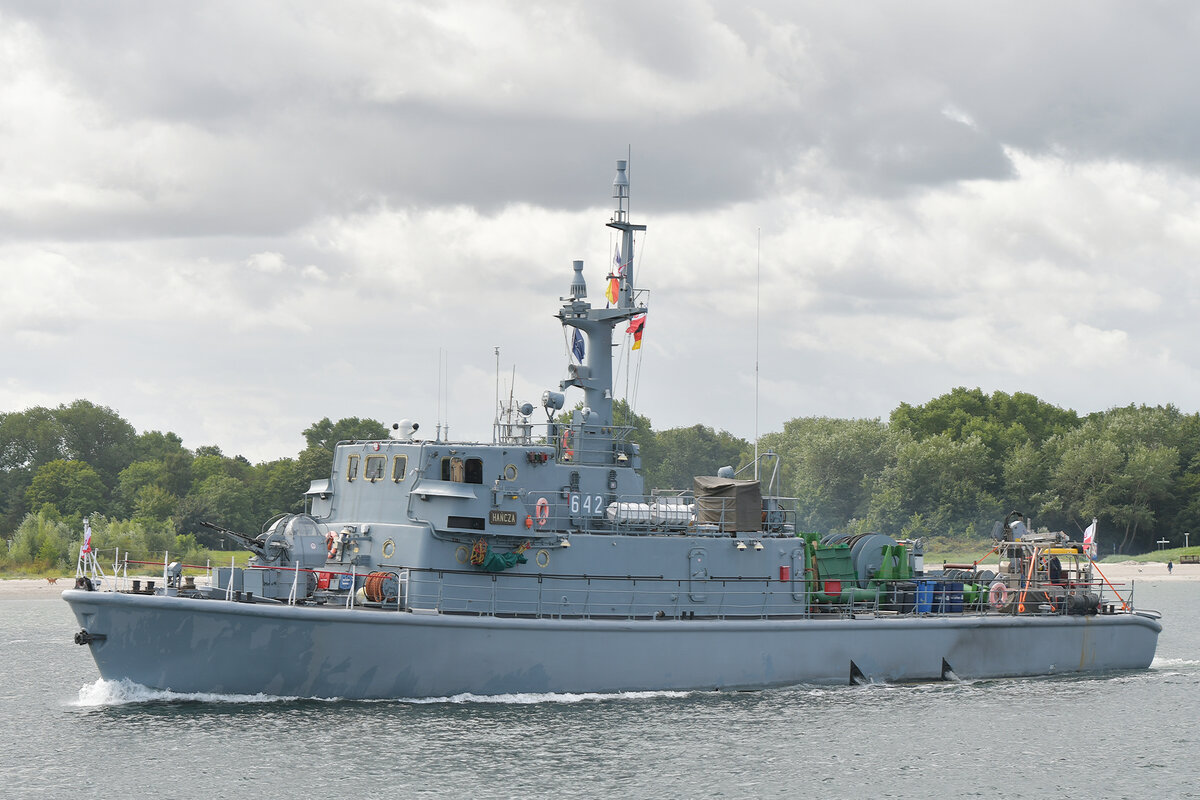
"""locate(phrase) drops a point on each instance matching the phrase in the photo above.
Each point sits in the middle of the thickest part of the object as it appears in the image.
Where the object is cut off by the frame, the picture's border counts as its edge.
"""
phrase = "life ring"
(568, 453)
(997, 594)
(331, 544)
(542, 511)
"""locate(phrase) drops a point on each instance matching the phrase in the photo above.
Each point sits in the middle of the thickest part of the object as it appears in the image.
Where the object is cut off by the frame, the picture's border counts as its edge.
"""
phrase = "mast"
(757, 317)
(597, 324)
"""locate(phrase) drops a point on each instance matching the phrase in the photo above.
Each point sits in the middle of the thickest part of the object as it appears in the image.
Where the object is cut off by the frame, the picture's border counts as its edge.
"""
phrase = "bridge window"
(399, 466)
(452, 469)
(374, 470)
(459, 471)
(351, 468)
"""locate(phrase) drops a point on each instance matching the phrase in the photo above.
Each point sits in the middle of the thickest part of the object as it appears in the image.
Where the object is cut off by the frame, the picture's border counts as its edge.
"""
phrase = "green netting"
(498, 562)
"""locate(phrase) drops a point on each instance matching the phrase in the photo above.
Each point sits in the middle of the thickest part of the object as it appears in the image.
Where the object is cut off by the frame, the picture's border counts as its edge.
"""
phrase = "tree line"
(957, 464)
(143, 492)
(950, 467)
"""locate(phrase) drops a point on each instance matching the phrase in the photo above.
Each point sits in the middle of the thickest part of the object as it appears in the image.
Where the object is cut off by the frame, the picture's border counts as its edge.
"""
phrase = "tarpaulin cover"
(732, 504)
(498, 562)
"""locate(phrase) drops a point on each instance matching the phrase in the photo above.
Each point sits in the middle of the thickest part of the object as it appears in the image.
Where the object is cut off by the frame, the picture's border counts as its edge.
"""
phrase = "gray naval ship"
(538, 563)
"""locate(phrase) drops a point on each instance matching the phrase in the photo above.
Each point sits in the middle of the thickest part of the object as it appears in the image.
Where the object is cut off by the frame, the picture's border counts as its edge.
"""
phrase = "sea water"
(64, 733)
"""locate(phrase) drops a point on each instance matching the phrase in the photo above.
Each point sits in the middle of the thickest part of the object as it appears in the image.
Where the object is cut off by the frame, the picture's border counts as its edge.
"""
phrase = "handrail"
(541, 595)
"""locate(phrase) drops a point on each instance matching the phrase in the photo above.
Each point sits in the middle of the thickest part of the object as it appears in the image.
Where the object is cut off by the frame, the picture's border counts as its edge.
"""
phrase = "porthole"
(510, 472)
(389, 548)
(542, 558)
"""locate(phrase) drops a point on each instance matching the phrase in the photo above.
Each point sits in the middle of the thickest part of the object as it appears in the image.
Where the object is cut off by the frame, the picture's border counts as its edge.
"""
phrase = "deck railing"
(647, 597)
(463, 592)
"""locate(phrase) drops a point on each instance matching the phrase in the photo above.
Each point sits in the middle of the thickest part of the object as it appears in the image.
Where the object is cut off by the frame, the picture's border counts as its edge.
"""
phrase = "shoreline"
(1121, 572)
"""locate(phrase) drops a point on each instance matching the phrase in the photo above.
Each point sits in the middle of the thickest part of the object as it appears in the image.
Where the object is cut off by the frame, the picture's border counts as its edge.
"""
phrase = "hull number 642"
(591, 505)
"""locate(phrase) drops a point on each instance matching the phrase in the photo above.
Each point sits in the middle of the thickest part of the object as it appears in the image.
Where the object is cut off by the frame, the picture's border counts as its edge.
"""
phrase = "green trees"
(72, 487)
(832, 466)
(1122, 466)
(959, 462)
(325, 434)
(143, 492)
(680, 454)
(936, 485)
(80, 432)
(42, 540)
(1001, 422)
(136, 478)
(28, 439)
(98, 436)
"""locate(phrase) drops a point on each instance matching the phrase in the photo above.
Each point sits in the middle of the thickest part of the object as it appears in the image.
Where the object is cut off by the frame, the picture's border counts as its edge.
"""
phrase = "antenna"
(438, 436)
(496, 423)
(757, 306)
(628, 199)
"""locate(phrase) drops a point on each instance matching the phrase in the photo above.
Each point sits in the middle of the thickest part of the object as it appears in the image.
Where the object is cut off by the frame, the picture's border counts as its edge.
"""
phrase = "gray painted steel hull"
(191, 645)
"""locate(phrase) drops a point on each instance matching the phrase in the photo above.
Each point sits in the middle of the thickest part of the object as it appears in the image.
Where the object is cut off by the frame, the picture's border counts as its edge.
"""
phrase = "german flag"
(636, 326)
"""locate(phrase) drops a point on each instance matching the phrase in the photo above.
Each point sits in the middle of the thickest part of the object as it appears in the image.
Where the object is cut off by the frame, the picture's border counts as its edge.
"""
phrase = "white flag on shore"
(1089, 539)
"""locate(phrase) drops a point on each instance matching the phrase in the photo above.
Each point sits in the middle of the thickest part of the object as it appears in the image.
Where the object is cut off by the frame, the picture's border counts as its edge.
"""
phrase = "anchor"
(83, 637)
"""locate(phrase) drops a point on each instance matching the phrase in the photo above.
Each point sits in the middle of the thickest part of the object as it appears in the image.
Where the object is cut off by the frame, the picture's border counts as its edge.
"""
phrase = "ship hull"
(193, 645)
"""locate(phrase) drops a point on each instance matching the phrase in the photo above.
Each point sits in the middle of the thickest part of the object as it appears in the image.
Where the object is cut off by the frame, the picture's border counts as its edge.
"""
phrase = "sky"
(230, 220)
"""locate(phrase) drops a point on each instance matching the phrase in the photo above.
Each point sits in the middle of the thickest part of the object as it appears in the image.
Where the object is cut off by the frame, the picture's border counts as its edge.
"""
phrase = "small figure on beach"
(1170, 567)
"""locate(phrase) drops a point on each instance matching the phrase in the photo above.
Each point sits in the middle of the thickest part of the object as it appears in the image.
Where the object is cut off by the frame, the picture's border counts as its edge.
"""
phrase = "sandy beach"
(35, 587)
(1155, 571)
(1117, 573)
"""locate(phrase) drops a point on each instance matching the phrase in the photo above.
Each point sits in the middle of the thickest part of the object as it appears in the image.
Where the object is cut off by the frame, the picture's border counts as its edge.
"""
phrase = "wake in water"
(124, 692)
(104, 693)
(532, 698)
(1159, 663)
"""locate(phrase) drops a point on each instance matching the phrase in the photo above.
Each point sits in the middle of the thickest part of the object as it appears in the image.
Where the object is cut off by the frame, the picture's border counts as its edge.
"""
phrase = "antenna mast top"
(621, 191)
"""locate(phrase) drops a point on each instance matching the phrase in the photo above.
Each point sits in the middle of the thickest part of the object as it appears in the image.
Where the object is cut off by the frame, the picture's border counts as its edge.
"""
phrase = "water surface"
(1127, 735)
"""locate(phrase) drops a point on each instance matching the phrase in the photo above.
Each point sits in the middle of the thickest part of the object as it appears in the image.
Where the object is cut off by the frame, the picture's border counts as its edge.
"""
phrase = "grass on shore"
(194, 564)
(1155, 555)
(957, 551)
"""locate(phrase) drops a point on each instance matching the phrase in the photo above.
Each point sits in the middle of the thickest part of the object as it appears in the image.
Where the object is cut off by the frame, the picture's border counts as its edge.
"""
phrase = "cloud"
(231, 220)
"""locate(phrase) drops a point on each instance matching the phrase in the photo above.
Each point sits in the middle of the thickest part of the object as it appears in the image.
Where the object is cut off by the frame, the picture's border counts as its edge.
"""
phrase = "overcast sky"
(230, 220)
